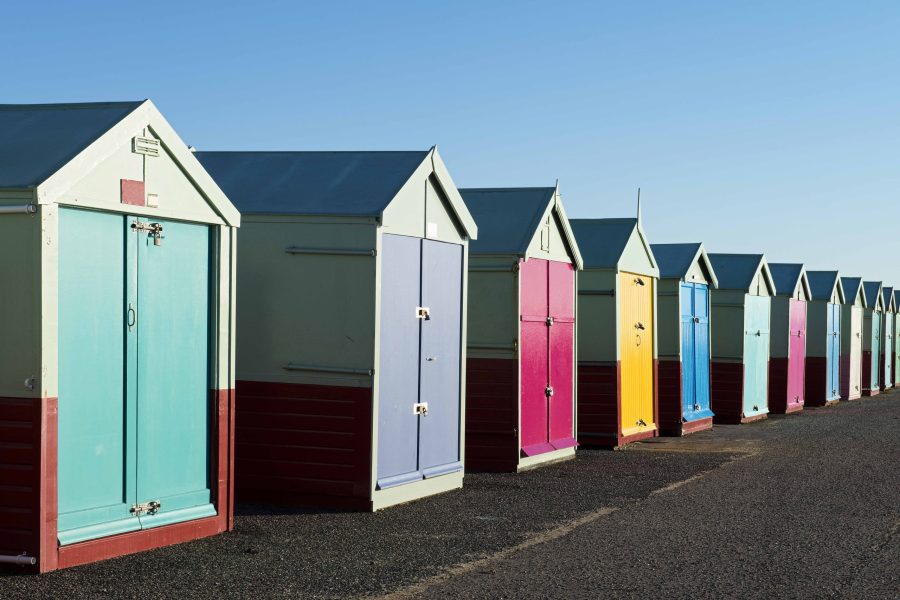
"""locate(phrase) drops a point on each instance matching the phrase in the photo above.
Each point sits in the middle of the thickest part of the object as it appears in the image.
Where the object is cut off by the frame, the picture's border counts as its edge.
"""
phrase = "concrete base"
(414, 491)
(526, 463)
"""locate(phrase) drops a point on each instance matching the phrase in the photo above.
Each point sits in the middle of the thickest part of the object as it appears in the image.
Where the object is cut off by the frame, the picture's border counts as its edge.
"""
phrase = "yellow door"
(636, 305)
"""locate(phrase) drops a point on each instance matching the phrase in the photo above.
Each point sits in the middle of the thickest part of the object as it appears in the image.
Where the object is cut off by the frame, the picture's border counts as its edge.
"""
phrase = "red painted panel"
(562, 354)
(726, 380)
(283, 432)
(133, 192)
(670, 401)
(817, 381)
(867, 389)
(20, 475)
(599, 404)
(778, 384)
(846, 392)
(492, 414)
(797, 358)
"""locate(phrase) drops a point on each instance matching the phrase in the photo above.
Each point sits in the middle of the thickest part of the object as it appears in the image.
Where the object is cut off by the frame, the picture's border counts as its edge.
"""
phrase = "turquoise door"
(756, 355)
(694, 299)
(133, 375)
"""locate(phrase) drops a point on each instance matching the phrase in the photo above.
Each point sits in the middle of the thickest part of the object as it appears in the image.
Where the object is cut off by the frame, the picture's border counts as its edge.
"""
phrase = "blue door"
(694, 298)
(172, 333)
(756, 355)
(398, 374)
(440, 358)
(833, 361)
(419, 372)
(134, 421)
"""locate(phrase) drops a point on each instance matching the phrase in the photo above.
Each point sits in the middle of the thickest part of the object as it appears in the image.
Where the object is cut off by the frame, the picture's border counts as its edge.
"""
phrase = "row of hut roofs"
(392, 331)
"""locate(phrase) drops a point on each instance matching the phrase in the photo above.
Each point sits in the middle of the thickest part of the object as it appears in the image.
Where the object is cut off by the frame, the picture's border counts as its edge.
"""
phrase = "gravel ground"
(804, 506)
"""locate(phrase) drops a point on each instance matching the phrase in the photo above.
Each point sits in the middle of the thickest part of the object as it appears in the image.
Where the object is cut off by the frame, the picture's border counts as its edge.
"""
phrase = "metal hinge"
(155, 230)
(148, 508)
(548, 391)
(420, 408)
(423, 312)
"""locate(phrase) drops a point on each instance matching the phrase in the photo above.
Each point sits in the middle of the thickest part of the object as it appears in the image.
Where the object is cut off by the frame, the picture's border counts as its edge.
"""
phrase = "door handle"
(132, 316)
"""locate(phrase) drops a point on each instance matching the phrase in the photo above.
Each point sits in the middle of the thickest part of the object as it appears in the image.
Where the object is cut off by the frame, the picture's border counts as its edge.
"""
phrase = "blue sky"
(754, 127)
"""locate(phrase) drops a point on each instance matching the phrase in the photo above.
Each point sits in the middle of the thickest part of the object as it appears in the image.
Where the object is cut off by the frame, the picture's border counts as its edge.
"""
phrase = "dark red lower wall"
(726, 383)
(492, 414)
(846, 392)
(816, 374)
(671, 408)
(778, 383)
(598, 403)
(867, 389)
(303, 444)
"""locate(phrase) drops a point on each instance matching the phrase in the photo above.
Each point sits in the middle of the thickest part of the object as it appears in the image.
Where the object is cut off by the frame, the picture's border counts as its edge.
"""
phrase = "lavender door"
(398, 369)
(562, 354)
(440, 358)
(796, 353)
(534, 357)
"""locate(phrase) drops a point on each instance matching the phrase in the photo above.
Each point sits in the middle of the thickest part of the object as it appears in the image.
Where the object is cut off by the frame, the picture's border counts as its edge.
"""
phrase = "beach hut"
(852, 338)
(823, 346)
(685, 278)
(896, 369)
(741, 307)
(520, 360)
(116, 253)
(787, 346)
(617, 354)
(871, 348)
(351, 327)
(887, 344)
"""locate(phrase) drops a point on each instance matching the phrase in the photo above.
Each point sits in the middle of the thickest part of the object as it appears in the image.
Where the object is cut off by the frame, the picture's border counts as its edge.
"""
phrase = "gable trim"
(442, 176)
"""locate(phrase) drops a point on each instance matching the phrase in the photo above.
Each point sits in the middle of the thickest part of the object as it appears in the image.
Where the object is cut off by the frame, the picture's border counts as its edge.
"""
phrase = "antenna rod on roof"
(639, 207)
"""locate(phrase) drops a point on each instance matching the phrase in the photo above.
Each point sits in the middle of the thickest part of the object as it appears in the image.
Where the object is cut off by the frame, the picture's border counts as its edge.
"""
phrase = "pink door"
(562, 354)
(547, 351)
(797, 353)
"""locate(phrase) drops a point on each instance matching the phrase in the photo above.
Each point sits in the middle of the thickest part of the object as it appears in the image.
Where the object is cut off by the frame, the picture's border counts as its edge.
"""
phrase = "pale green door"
(134, 416)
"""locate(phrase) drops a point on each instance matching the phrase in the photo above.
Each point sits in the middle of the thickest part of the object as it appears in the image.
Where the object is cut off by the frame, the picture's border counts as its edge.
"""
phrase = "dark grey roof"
(872, 290)
(602, 241)
(507, 218)
(736, 271)
(821, 283)
(674, 260)
(887, 294)
(311, 183)
(36, 140)
(786, 276)
(851, 288)
(897, 299)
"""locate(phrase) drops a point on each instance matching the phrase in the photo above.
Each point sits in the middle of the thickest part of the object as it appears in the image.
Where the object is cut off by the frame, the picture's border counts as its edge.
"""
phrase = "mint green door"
(96, 461)
(756, 355)
(134, 433)
(173, 433)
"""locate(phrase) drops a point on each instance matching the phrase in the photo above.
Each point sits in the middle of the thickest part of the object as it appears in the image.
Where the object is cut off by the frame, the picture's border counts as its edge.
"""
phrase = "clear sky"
(751, 126)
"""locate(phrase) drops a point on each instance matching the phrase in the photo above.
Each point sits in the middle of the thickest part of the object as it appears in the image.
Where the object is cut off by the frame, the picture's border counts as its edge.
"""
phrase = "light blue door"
(440, 358)
(756, 355)
(96, 443)
(876, 349)
(695, 351)
(833, 361)
(688, 352)
(173, 383)
(398, 371)
(134, 420)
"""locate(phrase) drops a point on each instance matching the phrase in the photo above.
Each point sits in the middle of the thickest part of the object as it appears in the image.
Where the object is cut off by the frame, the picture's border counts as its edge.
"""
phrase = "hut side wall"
(492, 364)
(727, 355)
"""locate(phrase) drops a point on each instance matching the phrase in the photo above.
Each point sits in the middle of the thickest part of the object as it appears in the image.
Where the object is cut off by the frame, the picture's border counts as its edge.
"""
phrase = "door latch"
(548, 391)
(755, 408)
(638, 281)
(155, 230)
(639, 325)
(696, 408)
(420, 408)
(549, 321)
(696, 319)
(132, 316)
(148, 508)
(641, 423)
(423, 312)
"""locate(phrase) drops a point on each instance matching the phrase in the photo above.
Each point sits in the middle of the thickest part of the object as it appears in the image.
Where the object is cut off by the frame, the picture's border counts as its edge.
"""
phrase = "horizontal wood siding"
(671, 408)
(867, 389)
(300, 443)
(727, 391)
(778, 383)
(816, 381)
(599, 403)
(20, 475)
(492, 414)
